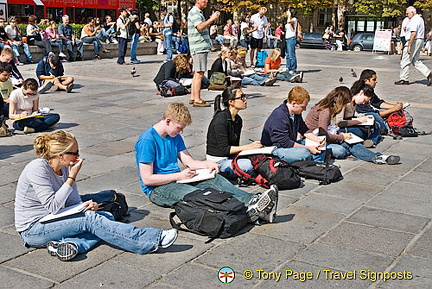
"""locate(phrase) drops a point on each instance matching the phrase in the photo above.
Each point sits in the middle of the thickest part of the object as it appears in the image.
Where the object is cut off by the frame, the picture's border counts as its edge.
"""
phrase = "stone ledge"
(146, 48)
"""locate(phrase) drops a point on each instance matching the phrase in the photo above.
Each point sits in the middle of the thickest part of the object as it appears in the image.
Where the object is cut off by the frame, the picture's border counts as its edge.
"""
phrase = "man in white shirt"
(258, 35)
(411, 51)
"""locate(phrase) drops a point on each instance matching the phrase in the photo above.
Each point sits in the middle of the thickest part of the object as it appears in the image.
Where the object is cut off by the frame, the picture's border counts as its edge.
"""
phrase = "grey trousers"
(414, 59)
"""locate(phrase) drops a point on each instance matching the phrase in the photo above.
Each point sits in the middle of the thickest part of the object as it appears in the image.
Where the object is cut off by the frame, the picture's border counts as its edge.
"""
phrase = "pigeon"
(353, 73)
(340, 79)
(133, 71)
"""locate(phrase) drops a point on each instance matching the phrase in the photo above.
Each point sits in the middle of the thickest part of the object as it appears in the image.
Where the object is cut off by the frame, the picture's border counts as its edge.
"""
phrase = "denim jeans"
(134, 46)
(176, 41)
(57, 43)
(284, 76)
(78, 43)
(103, 35)
(291, 59)
(226, 167)
(380, 121)
(169, 194)
(96, 43)
(343, 150)
(244, 43)
(39, 124)
(298, 154)
(168, 46)
(254, 79)
(87, 229)
(122, 47)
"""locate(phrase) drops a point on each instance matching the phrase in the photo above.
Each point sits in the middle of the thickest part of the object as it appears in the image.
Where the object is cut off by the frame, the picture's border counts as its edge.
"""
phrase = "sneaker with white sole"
(62, 55)
(271, 216)
(168, 238)
(52, 247)
(386, 159)
(28, 130)
(66, 251)
(44, 88)
(262, 203)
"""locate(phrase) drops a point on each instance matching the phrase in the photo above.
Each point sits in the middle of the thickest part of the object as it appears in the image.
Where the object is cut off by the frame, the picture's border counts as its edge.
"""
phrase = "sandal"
(191, 101)
(201, 104)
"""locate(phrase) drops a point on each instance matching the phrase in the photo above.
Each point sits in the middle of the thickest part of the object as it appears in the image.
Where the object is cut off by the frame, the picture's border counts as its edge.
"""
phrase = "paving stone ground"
(376, 223)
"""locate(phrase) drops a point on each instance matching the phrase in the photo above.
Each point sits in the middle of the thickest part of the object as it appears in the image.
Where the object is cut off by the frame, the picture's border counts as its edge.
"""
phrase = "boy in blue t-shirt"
(157, 152)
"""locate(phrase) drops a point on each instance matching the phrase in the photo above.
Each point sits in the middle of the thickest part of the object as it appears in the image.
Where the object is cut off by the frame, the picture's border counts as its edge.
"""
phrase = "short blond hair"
(178, 112)
(298, 94)
(7, 51)
(49, 145)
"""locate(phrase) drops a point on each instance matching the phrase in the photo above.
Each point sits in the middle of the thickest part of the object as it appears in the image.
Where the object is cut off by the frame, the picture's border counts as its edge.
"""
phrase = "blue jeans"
(284, 76)
(244, 164)
(96, 43)
(244, 43)
(177, 41)
(168, 45)
(343, 150)
(87, 229)
(103, 35)
(380, 121)
(134, 46)
(298, 154)
(169, 194)
(39, 124)
(78, 43)
(291, 60)
(254, 79)
(57, 43)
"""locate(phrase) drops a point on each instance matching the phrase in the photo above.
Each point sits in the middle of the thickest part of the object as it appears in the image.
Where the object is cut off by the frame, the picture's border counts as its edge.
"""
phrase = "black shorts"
(256, 43)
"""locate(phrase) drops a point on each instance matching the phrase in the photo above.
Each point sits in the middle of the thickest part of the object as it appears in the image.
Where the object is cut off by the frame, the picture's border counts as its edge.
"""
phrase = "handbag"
(218, 81)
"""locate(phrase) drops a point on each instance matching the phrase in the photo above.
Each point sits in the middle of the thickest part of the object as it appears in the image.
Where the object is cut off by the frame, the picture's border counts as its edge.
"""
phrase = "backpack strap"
(244, 179)
(178, 226)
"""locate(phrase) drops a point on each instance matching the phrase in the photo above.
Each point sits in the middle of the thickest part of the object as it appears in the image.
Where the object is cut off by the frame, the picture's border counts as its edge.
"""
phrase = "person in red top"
(272, 65)
(229, 33)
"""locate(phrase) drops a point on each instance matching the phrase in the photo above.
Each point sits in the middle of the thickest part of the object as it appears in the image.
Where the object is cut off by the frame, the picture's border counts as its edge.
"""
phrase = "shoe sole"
(264, 205)
(368, 143)
(170, 243)
(392, 160)
(53, 251)
(66, 251)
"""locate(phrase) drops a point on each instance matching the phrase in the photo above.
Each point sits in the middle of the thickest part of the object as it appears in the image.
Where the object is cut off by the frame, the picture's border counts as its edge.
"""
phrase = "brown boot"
(429, 79)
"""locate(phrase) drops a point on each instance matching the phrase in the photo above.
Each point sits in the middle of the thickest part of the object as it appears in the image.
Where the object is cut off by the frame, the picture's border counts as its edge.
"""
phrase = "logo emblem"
(226, 275)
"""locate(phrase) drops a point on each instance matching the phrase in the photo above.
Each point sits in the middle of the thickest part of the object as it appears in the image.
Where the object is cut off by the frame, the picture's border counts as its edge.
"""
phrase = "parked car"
(314, 40)
(362, 41)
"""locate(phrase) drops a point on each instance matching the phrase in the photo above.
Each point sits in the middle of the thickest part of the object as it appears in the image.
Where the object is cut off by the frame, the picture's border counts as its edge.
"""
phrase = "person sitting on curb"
(67, 35)
(158, 150)
(24, 102)
(50, 73)
(89, 35)
(377, 107)
(48, 184)
(283, 126)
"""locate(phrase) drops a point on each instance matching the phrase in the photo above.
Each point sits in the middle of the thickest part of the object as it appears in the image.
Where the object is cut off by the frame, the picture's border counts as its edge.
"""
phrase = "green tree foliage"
(388, 8)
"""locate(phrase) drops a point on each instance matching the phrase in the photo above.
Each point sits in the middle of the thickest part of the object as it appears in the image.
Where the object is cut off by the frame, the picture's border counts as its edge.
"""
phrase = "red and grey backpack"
(270, 170)
(400, 123)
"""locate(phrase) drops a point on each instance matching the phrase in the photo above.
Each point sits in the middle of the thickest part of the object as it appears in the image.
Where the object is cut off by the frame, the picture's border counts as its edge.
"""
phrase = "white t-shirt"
(12, 32)
(290, 31)
(23, 103)
(405, 33)
(261, 23)
(416, 24)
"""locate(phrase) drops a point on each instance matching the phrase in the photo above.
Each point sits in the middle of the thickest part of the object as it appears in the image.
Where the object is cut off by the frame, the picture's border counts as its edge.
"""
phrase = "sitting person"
(320, 117)
(5, 87)
(377, 107)
(24, 102)
(47, 184)
(272, 65)
(7, 56)
(15, 34)
(53, 37)
(107, 30)
(156, 34)
(35, 37)
(219, 65)
(285, 123)
(67, 35)
(158, 150)
(362, 93)
(89, 35)
(223, 134)
(50, 72)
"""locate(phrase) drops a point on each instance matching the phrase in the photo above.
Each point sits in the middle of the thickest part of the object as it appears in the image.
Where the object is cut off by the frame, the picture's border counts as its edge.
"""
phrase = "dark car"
(314, 40)
(362, 41)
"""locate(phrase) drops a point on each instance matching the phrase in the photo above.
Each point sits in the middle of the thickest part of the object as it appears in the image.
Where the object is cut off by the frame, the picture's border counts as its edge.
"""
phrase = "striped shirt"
(199, 41)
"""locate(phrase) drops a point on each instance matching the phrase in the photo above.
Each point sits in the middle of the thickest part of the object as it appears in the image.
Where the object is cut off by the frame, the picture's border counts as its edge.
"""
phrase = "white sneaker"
(114, 41)
(262, 204)
(271, 216)
(28, 130)
(386, 159)
(61, 54)
(107, 41)
(66, 251)
(168, 238)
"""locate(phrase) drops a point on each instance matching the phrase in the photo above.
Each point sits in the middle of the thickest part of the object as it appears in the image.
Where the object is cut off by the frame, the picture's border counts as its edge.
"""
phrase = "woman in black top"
(174, 69)
(223, 135)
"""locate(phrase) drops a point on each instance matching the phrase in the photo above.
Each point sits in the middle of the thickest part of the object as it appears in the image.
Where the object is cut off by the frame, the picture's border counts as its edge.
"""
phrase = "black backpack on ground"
(210, 213)
(270, 170)
(170, 87)
(324, 172)
(110, 201)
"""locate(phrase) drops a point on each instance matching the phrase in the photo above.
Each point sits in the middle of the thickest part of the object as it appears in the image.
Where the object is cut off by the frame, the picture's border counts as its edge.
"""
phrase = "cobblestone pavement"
(378, 219)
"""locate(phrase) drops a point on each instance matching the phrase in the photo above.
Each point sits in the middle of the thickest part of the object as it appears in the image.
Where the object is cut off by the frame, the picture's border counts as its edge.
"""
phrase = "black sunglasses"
(73, 153)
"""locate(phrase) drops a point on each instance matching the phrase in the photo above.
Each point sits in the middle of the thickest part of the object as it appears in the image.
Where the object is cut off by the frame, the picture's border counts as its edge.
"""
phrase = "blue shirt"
(168, 19)
(162, 152)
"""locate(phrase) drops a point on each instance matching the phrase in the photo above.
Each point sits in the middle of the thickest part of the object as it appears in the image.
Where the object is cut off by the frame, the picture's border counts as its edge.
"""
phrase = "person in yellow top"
(89, 35)
(5, 90)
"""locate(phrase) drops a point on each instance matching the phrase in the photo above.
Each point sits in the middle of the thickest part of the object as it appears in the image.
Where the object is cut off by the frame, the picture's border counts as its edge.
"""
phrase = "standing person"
(412, 49)
(122, 26)
(271, 37)
(223, 134)
(67, 35)
(88, 35)
(259, 24)
(199, 45)
(283, 125)
(168, 22)
(291, 40)
(245, 31)
(405, 33)
(281, 43)
(49, 183)
(158, 151)
(340, 38)
(134, 31)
